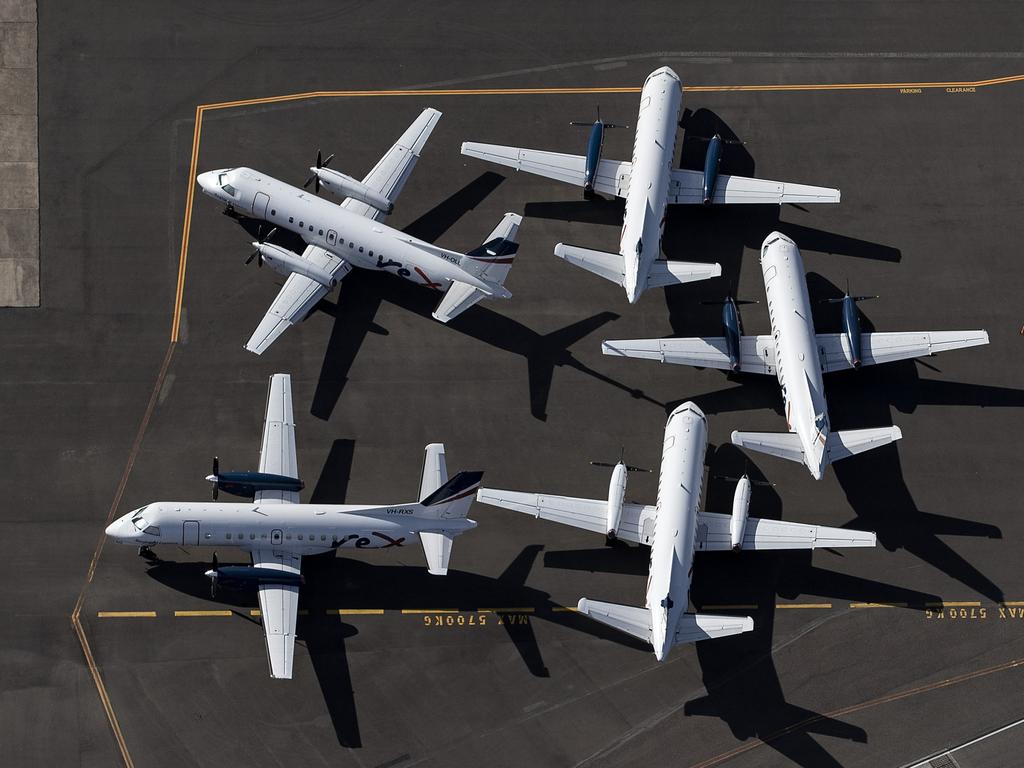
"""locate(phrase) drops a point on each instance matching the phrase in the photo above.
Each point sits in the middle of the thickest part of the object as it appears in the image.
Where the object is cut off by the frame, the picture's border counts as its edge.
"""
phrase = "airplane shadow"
(360, 297)
(739, 674)
(332, 582)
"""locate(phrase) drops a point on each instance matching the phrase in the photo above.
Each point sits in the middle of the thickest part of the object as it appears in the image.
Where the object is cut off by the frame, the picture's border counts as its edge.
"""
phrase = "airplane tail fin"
(490, 263)
(610, 266)
(449, 505)
(842, 445)
(625, 618)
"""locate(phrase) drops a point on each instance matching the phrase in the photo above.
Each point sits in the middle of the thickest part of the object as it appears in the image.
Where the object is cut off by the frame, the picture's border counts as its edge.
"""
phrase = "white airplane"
(797, 357)
(649, 183)
(674, 529)
(276, 530)
(348, 235)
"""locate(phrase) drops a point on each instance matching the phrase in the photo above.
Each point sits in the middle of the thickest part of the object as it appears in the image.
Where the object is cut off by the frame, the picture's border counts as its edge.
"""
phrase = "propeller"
(260, 240)
(215, 477)
(629, 468)
(588, 125)
(315, 178)
(212, 573)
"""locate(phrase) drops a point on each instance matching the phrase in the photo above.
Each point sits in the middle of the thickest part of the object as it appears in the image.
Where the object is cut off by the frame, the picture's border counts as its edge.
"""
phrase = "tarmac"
(119, 392)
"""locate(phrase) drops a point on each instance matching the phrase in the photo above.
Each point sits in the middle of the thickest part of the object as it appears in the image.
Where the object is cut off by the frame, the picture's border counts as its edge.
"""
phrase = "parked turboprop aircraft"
(276, 530)
(649, 183)
(348, 235)
(797, 356)
(674, 530)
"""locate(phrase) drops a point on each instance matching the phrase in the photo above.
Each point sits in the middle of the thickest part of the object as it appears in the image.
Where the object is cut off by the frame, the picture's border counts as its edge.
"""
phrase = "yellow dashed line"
(964, 604)
(355, 611)
(507, 610)
(878, 605)
(803, 605)
(565, 609)
(126, 614)
(203, 613)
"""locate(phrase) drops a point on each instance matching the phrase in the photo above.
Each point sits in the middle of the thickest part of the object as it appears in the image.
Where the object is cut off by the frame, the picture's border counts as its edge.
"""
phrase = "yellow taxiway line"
(126, 614)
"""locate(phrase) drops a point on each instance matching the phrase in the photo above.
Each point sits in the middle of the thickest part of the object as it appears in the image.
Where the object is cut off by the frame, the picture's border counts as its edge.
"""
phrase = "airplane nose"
(207, 181)
(114, 528)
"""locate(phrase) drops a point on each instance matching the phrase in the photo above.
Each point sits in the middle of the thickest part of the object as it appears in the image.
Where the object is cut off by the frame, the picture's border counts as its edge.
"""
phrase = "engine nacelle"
(341, 185)
(284, 262)
(740, 512)
(616, 497)
(711, 162)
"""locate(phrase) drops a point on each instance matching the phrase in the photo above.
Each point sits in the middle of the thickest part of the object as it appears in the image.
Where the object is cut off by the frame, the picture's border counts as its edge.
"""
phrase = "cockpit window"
(230, 190)
(138, 513)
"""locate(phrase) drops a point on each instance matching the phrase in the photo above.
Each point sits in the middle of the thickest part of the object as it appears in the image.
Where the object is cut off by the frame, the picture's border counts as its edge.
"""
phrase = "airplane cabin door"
(190, 533)
(275, 536)
(260, 204)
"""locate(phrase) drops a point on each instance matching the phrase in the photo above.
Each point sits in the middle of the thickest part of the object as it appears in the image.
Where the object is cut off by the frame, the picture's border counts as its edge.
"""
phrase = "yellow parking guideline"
(126, 614)
(878, 605)
(961, 604)
(803, 605)
(355, 611)
(507, 610)
(203, 613)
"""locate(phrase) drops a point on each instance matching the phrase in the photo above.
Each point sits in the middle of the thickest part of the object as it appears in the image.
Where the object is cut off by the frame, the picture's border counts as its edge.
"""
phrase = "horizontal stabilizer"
(625, 618)
(457, 299)
(714, 535)
(842, 445)
(785, 445)
(664, 273)
(437, 547)
(610, 266)
(692, 627)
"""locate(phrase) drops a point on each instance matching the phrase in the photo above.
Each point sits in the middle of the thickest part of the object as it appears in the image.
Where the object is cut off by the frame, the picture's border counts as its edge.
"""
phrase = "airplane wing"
(588, 514)
(888, 347)
(279, 605)
(393, 170)
(612, 176)
(277, 454)
(686, 187)
(713, 534)
(296, 299)
(757, 353)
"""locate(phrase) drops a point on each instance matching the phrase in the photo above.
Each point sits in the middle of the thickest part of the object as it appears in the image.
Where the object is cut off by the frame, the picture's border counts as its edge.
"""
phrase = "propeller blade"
(636, 469)
(216, 489)
(270, 234)
(319, 159)
(215, 560)
(252, 256)
(309, 181)
(328, 160)
(216, 465)
(602, 464)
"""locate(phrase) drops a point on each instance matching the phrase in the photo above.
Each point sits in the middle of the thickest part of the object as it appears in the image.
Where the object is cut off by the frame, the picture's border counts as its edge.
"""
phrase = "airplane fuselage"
(654, 147)
(672, 546)
(303, 528)
(358, 240)
(797, 362)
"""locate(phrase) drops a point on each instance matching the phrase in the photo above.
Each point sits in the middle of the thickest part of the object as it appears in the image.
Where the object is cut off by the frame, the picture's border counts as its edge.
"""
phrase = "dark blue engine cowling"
(851, 327)
(711, 163)
(594, 146)
(248, 483)
(733, 330)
